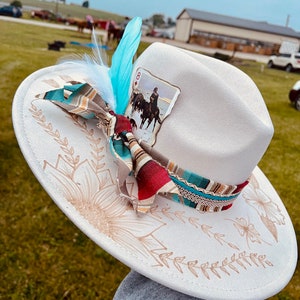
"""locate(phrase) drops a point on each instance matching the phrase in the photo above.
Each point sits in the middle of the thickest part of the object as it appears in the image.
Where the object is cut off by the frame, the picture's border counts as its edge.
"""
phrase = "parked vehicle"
(167, 33)
(287, 61)
(294, 95)
(11, 11)
(102, 24)
(43, 14)
(48, 15)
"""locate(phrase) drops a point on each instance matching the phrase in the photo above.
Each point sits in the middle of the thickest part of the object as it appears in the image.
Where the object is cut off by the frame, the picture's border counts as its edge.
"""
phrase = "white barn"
(225, 32)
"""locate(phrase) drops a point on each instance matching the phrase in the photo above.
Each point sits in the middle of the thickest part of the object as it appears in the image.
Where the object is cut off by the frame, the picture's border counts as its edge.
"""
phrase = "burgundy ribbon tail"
(151, 177)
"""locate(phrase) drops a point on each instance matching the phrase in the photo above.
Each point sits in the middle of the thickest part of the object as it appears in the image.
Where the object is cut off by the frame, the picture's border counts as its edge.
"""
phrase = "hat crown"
(219, 126)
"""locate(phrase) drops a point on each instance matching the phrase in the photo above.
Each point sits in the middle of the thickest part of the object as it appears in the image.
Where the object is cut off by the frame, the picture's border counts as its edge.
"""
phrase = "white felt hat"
(217, 127)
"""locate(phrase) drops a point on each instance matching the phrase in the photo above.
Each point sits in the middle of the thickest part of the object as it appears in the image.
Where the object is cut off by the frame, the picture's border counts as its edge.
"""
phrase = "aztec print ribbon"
(154, 173)
(152, 179)
(195, 190)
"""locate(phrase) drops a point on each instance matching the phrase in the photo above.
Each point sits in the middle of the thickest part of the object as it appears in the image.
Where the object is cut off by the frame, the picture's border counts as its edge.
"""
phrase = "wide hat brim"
(246, 252)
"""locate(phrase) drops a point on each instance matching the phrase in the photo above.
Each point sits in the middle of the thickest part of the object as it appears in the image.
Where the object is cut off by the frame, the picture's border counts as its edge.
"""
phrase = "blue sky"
(279, 12)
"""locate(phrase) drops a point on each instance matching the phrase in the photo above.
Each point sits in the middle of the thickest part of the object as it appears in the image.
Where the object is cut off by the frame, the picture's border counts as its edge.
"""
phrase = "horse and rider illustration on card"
(150, 103)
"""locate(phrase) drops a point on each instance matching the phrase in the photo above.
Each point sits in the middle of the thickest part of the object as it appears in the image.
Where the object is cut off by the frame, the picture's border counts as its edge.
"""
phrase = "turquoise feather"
(121, 67)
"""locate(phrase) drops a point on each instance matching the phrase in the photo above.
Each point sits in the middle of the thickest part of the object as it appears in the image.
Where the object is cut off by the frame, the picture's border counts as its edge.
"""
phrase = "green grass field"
(42, 254)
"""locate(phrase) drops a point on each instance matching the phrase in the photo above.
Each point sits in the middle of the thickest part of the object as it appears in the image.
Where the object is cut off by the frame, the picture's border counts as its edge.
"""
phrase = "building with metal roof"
(220, 31)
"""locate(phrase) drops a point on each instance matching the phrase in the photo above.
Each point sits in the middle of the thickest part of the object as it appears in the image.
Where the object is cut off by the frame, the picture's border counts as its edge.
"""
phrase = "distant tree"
(16, 3)
(158, 20)
(86, 4)
(170, 22)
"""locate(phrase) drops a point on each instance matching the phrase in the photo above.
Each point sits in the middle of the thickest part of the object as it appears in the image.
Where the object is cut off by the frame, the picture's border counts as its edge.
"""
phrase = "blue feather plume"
(121, 67)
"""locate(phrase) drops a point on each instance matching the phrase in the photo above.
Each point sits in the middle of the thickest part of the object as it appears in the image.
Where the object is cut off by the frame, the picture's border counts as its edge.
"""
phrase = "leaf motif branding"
(266, 208)
(89, 184)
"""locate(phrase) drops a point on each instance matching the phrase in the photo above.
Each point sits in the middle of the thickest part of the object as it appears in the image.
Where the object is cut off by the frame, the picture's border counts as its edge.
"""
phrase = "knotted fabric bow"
(154, 173)
(83, 100)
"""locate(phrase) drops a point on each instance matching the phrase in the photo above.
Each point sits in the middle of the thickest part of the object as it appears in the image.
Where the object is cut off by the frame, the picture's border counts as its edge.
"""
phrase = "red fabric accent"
(240, 187)
(122, 124)
(150, 179)
(226, 207)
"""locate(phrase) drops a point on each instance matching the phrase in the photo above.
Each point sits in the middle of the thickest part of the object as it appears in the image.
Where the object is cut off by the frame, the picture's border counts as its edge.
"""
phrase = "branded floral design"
(89, 184)
(267, 209)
